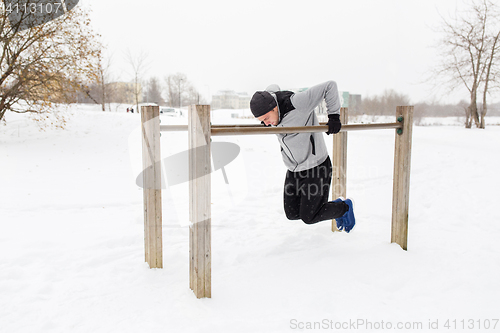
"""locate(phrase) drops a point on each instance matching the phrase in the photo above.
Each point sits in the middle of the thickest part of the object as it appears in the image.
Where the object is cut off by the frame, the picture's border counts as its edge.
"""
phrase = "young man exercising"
(307, 182)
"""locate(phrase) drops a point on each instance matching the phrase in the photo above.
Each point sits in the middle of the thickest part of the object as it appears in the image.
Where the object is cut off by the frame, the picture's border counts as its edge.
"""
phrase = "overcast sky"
(367, 46)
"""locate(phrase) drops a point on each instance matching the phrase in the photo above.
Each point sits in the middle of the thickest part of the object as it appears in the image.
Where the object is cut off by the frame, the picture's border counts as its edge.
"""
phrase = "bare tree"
(43, 63)
(103, 81)
(470, 53)
(138, 65)
(492, 72)
(177, 85)
(153, 92)
(170, 90)
(180, 91)
(193, 96)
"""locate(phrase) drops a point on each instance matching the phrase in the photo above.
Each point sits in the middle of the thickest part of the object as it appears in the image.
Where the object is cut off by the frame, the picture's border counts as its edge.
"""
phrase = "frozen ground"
(71, 237)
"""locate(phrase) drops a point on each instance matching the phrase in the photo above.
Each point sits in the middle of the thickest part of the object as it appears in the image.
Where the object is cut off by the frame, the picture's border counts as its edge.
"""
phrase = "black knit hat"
(262, 102)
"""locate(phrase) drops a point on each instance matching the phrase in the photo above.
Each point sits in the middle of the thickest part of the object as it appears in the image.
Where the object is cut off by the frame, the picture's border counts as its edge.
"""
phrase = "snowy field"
(72, 247)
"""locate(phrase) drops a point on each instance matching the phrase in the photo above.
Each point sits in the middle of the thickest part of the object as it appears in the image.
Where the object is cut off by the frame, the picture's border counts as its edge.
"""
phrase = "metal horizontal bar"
(177, 128)
(236, 130)
(238, 125)
(173, 128)
(247, 125)
(260, 129)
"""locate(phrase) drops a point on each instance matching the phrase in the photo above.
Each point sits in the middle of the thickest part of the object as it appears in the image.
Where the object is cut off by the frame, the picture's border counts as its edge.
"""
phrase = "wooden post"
(199, 128)
(151, 162)
(339, 163)
(401, 185)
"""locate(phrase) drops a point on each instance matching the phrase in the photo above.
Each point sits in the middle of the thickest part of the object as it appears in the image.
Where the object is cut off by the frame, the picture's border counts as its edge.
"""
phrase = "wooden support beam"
(151, 162)
(339, 162)
(401, 185)
(200, 200)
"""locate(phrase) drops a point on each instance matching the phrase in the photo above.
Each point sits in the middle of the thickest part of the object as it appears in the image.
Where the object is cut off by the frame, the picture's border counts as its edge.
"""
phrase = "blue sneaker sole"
(340, 220)
(349, 220)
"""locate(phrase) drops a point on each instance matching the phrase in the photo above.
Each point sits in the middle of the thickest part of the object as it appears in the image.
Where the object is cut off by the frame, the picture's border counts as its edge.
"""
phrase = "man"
(307, 183)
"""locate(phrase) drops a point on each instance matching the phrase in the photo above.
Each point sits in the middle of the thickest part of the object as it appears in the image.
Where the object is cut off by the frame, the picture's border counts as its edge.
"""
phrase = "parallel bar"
(239, 125)
(180, 128)
(216, 130)
(173, 128)
(249, 125)
(260, 129)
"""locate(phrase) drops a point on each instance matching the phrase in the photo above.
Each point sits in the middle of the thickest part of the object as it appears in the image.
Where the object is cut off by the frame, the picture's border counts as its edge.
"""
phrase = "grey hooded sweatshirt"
(302, 151)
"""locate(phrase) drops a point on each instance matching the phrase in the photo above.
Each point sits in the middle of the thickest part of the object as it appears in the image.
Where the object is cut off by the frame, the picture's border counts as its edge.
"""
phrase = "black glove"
(334, 124)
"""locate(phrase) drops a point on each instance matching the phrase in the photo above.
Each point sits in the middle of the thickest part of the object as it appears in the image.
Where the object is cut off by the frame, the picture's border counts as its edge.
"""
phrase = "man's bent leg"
(291, 197)
(314, 204)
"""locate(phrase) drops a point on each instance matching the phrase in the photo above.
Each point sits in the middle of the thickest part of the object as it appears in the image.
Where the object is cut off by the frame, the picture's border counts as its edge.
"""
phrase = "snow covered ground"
(71, 237)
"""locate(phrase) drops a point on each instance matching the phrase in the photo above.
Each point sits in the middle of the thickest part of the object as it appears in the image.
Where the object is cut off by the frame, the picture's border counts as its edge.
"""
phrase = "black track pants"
(306, 195)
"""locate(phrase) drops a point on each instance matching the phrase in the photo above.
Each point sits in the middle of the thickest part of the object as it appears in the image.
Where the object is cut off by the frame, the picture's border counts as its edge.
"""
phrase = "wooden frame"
(200, 131)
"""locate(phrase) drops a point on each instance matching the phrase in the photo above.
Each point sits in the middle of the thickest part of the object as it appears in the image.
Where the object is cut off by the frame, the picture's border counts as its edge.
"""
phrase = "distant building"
(354, 104)
(347, 100)
(228, 99)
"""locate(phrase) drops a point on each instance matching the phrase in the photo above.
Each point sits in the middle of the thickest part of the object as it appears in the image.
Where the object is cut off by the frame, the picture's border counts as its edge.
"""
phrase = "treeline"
(451, 110)
(385, 104)
(174, 90)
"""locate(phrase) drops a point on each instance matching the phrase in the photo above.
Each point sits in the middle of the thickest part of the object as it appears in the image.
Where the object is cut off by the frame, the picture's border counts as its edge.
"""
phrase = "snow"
(72, 248)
